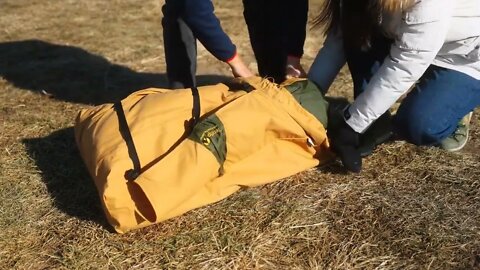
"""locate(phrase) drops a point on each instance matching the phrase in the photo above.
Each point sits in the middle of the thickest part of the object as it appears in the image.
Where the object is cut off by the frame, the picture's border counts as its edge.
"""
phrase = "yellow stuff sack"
(160, 153)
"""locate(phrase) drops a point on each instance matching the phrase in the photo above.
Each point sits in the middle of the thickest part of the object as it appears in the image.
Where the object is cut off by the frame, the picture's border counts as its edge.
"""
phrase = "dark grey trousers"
(180, 47)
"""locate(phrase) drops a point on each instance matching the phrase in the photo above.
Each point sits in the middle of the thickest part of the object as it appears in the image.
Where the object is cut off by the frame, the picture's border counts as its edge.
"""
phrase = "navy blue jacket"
(199, 16)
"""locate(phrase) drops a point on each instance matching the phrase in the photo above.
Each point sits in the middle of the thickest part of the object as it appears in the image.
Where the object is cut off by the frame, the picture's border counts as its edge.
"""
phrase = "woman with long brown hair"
(390, 46)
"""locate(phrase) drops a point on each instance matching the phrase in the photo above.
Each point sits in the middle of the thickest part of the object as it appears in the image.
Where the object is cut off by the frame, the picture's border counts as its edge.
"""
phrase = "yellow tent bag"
(160, 153)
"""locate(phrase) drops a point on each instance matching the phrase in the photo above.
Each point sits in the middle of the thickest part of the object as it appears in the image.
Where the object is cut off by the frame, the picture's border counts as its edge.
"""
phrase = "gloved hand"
(344, 140)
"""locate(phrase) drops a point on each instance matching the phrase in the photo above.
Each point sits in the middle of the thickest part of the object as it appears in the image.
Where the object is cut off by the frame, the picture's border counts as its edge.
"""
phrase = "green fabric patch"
(210, 133)
(311, 99)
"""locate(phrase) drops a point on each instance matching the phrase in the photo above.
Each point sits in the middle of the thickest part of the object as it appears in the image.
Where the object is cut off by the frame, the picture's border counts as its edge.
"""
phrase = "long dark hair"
(359, 20)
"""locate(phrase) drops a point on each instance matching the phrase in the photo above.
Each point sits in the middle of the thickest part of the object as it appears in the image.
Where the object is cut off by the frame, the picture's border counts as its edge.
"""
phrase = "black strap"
(131, 174)
(196, 106)
(195, 119)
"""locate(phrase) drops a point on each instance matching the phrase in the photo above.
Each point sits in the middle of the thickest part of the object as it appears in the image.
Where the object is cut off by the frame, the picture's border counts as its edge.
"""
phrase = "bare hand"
(294, 68)
(239, 69)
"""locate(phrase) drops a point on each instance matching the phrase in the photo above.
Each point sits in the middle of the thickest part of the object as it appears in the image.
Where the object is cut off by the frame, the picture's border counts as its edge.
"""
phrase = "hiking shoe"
(459, 137)
(379, 132)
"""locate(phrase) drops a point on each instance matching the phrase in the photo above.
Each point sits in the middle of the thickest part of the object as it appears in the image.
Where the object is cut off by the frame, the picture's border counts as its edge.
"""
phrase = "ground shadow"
(65, 175)
(73, 74)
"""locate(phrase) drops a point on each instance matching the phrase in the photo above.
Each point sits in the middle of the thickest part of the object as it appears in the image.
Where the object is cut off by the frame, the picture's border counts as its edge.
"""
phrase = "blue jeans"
(432, 109)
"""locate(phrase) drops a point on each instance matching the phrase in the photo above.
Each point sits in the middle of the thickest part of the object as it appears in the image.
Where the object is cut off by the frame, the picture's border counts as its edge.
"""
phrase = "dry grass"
(411, 208)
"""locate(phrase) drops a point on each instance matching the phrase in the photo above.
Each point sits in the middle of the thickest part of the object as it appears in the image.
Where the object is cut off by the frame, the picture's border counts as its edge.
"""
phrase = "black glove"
(344, 140)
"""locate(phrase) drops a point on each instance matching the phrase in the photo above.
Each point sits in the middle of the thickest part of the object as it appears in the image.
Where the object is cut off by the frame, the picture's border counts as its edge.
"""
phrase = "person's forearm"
(199, 16)
(406, 63)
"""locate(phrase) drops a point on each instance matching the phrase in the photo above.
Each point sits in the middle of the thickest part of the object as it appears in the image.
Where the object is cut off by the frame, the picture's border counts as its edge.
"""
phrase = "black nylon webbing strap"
(131, 174)
(196, 106)
(195, 119)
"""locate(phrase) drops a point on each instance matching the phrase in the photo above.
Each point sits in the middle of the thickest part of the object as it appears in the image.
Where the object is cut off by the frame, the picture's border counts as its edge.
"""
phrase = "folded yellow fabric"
(160, 153)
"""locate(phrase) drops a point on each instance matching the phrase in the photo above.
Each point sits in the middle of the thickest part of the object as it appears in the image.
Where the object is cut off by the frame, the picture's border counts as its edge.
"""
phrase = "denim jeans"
(431, 111)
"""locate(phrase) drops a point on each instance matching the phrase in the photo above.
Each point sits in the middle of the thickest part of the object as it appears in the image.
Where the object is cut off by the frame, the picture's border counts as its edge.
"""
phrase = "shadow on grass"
(73, 74)
(65, 175)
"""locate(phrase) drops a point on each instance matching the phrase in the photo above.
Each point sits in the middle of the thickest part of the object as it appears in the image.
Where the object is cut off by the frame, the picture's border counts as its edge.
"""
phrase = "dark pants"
(432, 109)
(363, 64)
(267, 22)
(180, 47)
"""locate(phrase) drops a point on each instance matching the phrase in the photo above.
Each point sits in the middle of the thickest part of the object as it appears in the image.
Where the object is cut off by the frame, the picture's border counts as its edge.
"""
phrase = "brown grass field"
(411, 207)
